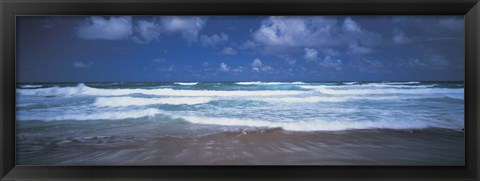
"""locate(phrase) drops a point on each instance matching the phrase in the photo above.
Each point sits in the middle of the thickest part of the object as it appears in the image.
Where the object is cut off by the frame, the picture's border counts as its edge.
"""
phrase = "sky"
(239, 48)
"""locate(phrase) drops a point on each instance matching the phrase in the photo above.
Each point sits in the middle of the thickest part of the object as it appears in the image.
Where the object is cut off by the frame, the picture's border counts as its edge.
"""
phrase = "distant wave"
(136, 101)
(268, 83)
(326, 90)
(82, 89)
(310, 99)
(401, 83)
(108, 115)
(31, 86)
(380, 85)
(186, 83)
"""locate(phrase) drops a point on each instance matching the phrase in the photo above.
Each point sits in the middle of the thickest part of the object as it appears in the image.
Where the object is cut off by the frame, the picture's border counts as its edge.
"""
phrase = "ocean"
(230, 123)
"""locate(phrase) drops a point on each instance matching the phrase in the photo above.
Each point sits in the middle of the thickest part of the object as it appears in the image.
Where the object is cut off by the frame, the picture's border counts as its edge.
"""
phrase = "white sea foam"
(31, 86)
(106, 115)
(317, 125)
(82, 89)
(327, 90)
(186, 83)
(136, 101)
(347, 98)
(349, 83)
(298, 83)
(248, 83)
(368, 86)
(400, 83)
(310, 99)
(382, 85)
(268, 83)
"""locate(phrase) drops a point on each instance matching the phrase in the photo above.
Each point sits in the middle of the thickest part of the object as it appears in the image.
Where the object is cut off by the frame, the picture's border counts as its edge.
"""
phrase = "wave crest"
(268, 83)
(318, 125)
(136, 101)
(186, 83)
(82, 89)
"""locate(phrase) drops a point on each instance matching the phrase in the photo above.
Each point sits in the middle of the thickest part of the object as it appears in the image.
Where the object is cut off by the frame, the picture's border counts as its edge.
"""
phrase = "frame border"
(11, 8)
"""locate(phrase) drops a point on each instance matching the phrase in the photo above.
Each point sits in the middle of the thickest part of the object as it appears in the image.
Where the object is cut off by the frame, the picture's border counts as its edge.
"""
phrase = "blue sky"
(239, 48)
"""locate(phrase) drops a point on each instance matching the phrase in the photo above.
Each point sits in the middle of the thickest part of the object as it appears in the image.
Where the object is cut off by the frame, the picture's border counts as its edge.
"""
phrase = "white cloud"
(295, 31)
(188, 26)
(258, 66)
(141, 31)
(256, 63)
(350, 25)
(238, 69)
(248, 45)
(113, 28)
(79, 64)
(352, 32)
(147, 31)
(311, 54)
(354, 48)
(228, 51)
(224, 67)
(211, 41)
(399, 37)
(290, 61)
(267, 68)
(279, 34)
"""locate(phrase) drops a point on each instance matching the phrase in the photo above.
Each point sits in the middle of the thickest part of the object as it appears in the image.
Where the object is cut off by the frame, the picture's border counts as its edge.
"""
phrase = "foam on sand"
(317, 125)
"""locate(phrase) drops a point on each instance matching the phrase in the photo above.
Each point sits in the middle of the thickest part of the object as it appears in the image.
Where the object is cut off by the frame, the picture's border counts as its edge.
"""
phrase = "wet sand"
(265, 147)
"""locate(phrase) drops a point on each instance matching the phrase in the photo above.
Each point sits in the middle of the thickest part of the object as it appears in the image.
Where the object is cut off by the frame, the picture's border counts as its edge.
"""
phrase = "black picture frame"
(9, 9)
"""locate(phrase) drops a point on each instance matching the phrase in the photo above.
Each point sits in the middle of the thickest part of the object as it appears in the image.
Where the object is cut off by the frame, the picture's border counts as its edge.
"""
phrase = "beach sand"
(261, 147)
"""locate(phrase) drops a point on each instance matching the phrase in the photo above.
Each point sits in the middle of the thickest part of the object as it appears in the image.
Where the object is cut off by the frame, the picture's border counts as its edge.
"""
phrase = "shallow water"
(323, 123)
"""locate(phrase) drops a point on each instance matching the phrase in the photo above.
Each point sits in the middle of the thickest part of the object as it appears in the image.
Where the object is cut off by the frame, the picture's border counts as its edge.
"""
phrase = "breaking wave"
(317, 125)
(268, 83)
(31, 86)
(356, 91)
(186, 83)
(82, 89)
(136, 101)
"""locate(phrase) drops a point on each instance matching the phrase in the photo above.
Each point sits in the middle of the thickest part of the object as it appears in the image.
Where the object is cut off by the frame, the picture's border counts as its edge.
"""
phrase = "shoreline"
(269, 147)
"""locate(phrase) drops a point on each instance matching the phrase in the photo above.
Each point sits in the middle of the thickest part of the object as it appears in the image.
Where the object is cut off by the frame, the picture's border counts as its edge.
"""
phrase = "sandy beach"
(267, 147)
